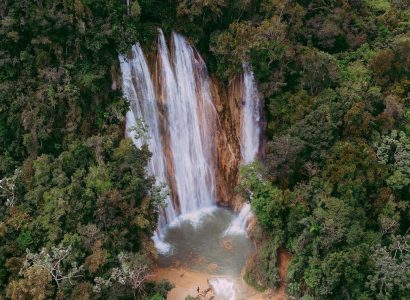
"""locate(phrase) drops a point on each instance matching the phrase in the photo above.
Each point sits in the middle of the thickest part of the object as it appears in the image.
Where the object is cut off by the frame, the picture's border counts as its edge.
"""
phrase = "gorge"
(256, 149)
(199, 136)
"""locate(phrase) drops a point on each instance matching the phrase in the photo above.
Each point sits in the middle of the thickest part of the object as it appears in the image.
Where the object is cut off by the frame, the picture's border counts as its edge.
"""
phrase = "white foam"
(250, 136)
(239, 225)
(161, 246)
(223, 288)
(191, 119)
(195, 217)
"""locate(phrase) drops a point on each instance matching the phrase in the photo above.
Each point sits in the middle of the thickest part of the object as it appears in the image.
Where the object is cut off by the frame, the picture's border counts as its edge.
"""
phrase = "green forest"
(78, 208)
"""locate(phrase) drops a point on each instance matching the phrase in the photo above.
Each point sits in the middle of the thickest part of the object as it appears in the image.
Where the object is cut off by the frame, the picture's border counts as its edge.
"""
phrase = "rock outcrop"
(228, 105)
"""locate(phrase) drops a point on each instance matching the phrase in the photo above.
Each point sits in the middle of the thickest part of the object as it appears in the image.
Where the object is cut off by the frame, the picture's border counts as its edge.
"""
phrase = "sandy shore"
(187, 282)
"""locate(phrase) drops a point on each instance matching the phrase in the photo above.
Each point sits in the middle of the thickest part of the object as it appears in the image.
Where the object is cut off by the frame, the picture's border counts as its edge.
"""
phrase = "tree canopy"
(333, 189)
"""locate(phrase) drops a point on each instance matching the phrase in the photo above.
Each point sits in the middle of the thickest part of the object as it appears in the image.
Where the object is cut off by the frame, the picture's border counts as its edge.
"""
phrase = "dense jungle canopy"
(77, 207)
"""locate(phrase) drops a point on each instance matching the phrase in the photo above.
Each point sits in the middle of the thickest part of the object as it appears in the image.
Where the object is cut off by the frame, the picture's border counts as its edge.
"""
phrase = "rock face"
(240, 133)
(200, 131)
(229, 107)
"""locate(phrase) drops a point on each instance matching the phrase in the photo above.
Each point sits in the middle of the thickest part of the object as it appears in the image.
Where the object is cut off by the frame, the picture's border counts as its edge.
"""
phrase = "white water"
(161, 246)
(250, 136)
(189, 114)
(250, 141)
(139, 90)
(195, 218)
(240, 224)
(189, 125)
(223, 288)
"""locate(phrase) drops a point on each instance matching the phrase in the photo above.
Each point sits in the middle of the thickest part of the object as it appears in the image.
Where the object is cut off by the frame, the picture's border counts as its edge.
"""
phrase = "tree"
(394, 151)
(267, 201)
(282, 158)
(53, 262)
(8, 188)
(132, 272)
(353, 171)
(233, 47)
(318, 70)
(35, 285)
(318, 130)
(287, 109)
(392, 264)
(133, 8)
(198, 8)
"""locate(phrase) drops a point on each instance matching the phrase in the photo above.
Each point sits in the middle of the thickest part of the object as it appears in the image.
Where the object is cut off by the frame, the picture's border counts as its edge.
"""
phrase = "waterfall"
(139, 90)
(181, 123)
(190, 118)
(188, 125)
(249, 141)
(223, 288)
(250, 134)
(240, 224)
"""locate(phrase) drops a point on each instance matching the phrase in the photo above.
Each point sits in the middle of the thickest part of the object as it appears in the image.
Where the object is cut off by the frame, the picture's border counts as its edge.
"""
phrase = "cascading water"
(181, 120)
(224, 288)
(250, 135)
(190, 118)
(250, 141)
(139, 90)
(240, 224)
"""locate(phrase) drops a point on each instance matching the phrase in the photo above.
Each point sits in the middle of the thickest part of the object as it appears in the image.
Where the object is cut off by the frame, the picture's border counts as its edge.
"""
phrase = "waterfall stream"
(184, 101)
(190, 115)
(139, 90)
(249, 141)
(189, 122)
(180, 118)
(240, 224)
(251, 117)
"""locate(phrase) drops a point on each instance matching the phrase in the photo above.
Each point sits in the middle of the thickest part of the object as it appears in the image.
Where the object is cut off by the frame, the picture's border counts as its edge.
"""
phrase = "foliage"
(132, 272)
(333, 189)
(394, 151)
(95, 202)
(73, 192)
(35, 285)
(391, 274)
(52, 262)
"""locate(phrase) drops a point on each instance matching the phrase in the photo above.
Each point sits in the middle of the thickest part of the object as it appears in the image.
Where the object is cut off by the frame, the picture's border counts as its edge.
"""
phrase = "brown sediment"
(284, 258)
(227, 244)
(213, 268)
(115, 76)
(122, 128)
(186, 282)
(279, 293)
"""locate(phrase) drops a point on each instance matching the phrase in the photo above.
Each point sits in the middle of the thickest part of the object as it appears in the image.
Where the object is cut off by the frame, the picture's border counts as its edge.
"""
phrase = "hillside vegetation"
(333, 189)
